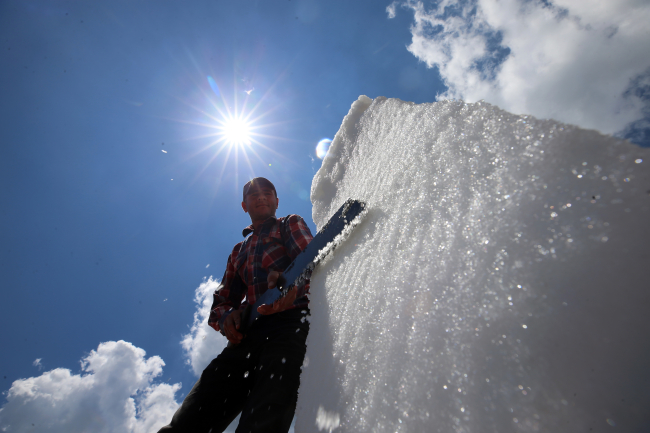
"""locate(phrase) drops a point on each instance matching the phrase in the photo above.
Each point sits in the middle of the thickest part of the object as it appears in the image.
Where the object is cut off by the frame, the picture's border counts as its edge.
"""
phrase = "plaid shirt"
(271, 247)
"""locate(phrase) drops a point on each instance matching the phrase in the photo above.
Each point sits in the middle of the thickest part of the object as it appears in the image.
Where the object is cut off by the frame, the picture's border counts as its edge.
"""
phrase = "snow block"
(498, 283)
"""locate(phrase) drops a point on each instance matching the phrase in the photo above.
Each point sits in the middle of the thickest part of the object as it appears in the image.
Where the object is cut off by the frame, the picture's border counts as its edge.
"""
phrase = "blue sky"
(98, 243)
(96, 236)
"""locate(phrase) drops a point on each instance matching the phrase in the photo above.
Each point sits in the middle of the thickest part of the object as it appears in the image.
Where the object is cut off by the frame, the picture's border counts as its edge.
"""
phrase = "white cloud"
(390, 10)
(203, 343)
(37, 363)
(571, 60)
(113, 393)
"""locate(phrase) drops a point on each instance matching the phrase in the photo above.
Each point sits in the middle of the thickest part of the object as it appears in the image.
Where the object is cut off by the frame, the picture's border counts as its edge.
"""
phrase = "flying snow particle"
(164, 151)
(327, 420)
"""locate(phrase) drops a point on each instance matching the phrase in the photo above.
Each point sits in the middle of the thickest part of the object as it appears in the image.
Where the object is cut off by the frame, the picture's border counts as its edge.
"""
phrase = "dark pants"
(258, 378)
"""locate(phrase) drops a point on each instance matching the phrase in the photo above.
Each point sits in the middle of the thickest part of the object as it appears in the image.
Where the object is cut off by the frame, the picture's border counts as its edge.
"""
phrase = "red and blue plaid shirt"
(270, 247)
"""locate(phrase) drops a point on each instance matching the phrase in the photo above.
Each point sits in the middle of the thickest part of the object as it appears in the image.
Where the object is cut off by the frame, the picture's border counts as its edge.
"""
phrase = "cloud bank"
(203, 343)
(114, 392)
(584, 63)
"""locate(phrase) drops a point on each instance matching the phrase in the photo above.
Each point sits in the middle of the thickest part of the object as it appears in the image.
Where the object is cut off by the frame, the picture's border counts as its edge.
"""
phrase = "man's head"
(260, 199)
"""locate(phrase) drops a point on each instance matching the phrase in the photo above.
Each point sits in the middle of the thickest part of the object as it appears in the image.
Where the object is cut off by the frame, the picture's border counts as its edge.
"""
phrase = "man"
(258, 374)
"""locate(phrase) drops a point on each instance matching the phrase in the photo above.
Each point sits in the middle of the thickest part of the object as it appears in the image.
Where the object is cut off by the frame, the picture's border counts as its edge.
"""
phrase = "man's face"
(260, 203)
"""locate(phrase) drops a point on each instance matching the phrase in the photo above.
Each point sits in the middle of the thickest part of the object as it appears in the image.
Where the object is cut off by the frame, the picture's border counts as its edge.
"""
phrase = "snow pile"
(498, 282)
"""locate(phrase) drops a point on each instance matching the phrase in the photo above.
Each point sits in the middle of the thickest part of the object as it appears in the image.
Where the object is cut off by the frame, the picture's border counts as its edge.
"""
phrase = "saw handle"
(251, 314)
(282, 281)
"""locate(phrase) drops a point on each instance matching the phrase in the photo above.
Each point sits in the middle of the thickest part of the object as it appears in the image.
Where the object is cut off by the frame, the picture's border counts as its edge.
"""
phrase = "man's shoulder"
(295, 226)
(291, 222)
(291, 219)
(237, 248)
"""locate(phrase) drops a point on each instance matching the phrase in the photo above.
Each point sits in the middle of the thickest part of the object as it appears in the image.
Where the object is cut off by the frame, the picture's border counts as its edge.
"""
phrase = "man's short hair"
(260, 182)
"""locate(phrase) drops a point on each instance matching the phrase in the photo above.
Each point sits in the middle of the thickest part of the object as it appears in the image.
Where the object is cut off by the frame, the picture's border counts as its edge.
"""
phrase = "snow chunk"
(478, 289)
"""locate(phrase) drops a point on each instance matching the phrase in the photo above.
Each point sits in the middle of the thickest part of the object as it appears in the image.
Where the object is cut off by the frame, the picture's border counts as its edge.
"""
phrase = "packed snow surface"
(498, 283)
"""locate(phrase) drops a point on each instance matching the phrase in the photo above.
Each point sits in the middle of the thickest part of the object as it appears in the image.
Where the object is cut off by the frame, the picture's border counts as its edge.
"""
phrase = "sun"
(235, 133)
(236, 130)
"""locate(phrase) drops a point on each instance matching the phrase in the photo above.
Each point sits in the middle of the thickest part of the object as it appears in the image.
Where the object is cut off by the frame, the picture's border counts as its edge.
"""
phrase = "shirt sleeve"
(228, 296)
(298, 237)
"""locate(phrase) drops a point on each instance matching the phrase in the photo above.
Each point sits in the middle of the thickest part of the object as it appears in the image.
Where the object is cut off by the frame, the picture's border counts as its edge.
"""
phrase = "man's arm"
(298, 237)
(225, 310)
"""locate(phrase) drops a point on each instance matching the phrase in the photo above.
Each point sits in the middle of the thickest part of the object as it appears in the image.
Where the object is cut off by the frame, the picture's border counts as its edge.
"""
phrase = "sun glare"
(236, 131)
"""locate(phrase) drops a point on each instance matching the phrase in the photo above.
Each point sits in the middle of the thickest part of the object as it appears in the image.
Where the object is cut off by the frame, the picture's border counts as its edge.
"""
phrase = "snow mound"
(498, 282)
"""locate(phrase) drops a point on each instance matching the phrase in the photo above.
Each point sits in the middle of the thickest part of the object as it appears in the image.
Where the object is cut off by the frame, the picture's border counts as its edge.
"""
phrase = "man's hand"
(282, 303)
(231, 325)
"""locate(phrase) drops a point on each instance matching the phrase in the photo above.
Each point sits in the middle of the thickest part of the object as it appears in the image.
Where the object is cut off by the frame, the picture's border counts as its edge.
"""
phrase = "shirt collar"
(248, 230)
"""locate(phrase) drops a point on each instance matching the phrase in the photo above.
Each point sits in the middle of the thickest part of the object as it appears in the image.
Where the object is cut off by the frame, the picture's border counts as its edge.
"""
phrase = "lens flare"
(213, 85)
(322, 147)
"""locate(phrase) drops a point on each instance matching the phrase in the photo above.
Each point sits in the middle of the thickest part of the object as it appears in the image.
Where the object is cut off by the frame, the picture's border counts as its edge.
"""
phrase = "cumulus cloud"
(390, 10)
(203, 343)
(114, 392)
(581, 62)
(37, 363)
